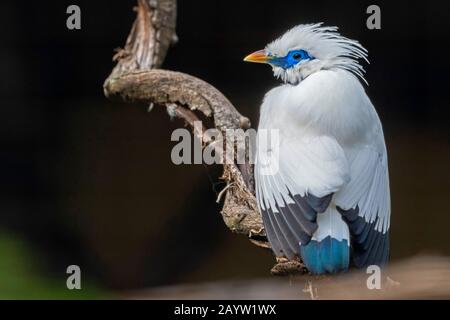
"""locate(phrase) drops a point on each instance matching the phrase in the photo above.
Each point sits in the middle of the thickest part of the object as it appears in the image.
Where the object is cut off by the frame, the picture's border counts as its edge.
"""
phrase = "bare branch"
(415, 278)
(135, 79)
(150, 37)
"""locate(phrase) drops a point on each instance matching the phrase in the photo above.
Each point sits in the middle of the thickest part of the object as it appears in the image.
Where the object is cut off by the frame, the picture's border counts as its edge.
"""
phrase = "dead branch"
(150, 37)
(415, 278)
(136, 79)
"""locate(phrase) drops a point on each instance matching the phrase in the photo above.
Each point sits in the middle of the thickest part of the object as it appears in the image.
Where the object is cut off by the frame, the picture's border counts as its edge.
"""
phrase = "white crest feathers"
(329, 48)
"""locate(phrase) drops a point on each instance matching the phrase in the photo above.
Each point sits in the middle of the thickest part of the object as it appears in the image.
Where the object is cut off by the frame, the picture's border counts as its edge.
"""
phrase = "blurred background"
(90, 182)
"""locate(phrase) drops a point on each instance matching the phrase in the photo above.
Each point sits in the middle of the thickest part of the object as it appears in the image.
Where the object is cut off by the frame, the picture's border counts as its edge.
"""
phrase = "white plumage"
(330, 49)
(331, 148)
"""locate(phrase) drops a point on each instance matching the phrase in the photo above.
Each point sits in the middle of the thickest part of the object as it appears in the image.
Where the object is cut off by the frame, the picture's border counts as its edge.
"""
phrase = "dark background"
(89, 182)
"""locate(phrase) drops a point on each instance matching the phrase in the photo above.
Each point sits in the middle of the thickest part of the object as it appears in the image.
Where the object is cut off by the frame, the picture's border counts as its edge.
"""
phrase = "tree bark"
(136, 78)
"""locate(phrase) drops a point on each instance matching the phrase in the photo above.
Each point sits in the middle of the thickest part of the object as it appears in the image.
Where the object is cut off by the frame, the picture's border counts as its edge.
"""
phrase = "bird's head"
(308, 48)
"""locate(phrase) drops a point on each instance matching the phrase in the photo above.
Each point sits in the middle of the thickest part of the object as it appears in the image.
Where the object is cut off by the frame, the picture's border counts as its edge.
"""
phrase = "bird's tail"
(329, 250)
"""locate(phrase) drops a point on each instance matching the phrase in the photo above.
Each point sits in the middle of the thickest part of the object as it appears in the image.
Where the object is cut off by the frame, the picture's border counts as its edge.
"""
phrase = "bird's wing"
(293, 184)
(365, 205)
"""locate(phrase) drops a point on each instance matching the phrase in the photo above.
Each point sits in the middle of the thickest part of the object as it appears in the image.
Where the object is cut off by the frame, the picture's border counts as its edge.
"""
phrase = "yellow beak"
(258, 57)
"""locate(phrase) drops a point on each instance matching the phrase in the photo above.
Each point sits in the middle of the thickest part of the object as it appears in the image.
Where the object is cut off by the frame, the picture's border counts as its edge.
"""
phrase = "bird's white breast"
(328, 102)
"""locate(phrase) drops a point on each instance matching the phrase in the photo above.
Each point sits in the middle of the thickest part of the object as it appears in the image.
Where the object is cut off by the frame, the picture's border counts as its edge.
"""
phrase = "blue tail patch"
(326, 256)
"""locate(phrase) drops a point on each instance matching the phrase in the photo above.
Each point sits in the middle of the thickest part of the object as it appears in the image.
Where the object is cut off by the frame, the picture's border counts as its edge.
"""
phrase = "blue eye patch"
(291, 59)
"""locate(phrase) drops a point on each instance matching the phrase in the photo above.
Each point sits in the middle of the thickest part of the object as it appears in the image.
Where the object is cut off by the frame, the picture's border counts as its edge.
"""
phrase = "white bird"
(328, 199)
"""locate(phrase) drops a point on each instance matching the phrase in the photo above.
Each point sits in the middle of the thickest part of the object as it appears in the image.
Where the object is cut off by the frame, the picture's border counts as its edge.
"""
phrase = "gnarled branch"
(136, 79)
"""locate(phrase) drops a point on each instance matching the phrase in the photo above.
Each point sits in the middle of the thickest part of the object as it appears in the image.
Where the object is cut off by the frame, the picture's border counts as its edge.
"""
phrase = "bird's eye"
(297, 56)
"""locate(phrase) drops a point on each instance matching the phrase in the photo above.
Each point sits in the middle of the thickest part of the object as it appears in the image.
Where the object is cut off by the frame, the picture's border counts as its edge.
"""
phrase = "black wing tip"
(293, 223)
(369, 246)
(319, 204)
